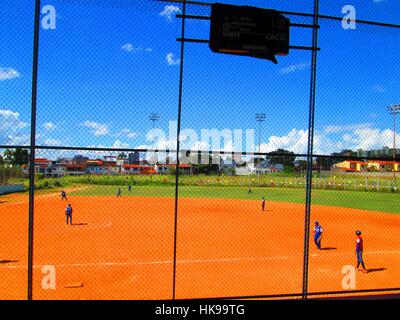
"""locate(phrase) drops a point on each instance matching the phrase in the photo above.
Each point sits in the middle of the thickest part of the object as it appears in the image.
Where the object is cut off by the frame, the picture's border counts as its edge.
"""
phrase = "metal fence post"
(310, 151)
(35, 63)
(178, 146)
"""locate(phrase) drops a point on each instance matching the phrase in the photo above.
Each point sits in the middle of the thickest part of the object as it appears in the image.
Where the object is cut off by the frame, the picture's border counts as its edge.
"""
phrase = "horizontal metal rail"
(210, 152)
(207, 41)
(321, 294)
(196, 17)
(301, 14)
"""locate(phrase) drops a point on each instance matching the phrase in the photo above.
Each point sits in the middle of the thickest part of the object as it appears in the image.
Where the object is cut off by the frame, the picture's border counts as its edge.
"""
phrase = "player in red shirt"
(359, 252)
(263, 203)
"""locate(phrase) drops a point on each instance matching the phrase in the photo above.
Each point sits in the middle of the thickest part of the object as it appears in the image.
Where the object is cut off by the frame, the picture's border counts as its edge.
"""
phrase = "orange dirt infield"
(123, 248)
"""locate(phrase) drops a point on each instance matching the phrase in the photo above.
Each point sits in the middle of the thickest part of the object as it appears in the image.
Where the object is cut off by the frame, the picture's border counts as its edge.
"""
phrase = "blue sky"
(105, 68)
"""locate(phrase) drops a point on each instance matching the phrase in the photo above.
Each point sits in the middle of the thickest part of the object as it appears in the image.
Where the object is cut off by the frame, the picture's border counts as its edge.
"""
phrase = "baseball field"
(122, 248)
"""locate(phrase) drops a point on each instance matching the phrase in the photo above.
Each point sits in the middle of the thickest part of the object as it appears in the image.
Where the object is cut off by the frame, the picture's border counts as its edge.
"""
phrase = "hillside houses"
(109, 165)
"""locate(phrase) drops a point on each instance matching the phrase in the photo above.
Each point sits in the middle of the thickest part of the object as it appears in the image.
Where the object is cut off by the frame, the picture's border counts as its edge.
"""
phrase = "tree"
(282, 156)
(230, 172)
(258, 160)
(209, 168)
(324, 163)
(18, 157)
(343, 155)
(8, 156)
(122, 155)
(301, 165)
(1, 160)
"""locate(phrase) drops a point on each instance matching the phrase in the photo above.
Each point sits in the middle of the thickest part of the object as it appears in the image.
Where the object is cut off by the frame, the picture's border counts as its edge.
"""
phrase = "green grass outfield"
(387, 202)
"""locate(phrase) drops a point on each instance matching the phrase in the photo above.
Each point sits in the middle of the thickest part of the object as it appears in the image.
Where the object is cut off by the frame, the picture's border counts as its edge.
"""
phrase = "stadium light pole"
(260, 118)
(394, 110)
(154, 117)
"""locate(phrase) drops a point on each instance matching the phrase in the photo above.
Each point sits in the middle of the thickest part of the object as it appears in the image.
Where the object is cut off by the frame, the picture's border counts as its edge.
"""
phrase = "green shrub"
(39, 176)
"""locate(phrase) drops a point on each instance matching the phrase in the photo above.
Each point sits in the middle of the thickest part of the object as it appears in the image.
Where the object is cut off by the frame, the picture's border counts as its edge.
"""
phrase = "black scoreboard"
(249, 31)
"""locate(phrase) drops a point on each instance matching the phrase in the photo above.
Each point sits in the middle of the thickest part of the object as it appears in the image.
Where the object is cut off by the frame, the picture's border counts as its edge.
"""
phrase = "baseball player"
(263, 203)
(119, 193)
(359, 252)
(68, 213)
(63, 195)
(317, 234)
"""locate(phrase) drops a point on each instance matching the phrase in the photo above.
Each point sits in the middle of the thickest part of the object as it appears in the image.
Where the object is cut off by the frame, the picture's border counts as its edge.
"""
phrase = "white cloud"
(341, 128)
(52, 142)
(169, 11)
(49, 126)
(332, 138)
(171, 60)
(295, 67)
(347, 137)
(8, 74)
(9, 121)
(335, 139)
(120, 145)
(127, 133)
(372, 138)
(379, 1)
(12, 128)
(378, 88)
(203, 146)
(129, 47)
(295, 140)
(21, 139)
(98, 129)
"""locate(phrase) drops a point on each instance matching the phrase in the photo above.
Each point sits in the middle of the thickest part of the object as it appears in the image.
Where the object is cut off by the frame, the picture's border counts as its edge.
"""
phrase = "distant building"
(41, 166)
(383, 166)
(99, 167)
(80, 160)
(263, 167)
(227, 165)
(110, 158)
(138, 169)
(266, 166)
(184, 168)
(74, 169)
(371, 165)
(350, 166)
(385, 152)
(134, 158)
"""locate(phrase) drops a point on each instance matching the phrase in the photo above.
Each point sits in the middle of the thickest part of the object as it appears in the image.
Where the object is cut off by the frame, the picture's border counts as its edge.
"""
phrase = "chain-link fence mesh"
(229, 220)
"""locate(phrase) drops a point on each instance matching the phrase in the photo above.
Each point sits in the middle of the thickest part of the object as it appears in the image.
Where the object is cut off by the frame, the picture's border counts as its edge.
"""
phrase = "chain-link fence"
(275, 168)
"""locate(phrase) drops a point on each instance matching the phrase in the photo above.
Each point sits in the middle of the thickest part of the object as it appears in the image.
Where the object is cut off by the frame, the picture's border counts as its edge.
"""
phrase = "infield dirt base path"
(122, 248)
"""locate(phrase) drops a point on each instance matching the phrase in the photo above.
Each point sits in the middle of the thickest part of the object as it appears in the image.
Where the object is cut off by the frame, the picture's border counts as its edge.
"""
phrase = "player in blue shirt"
(68, 213)
(317, 234)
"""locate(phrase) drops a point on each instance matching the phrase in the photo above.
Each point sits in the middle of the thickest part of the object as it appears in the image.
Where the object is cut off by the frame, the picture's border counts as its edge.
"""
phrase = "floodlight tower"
(260, 118)
(154, 117)
(394, 110)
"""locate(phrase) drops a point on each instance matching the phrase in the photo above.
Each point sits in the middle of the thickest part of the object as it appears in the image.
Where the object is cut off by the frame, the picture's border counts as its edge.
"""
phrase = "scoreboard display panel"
(249, 31)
